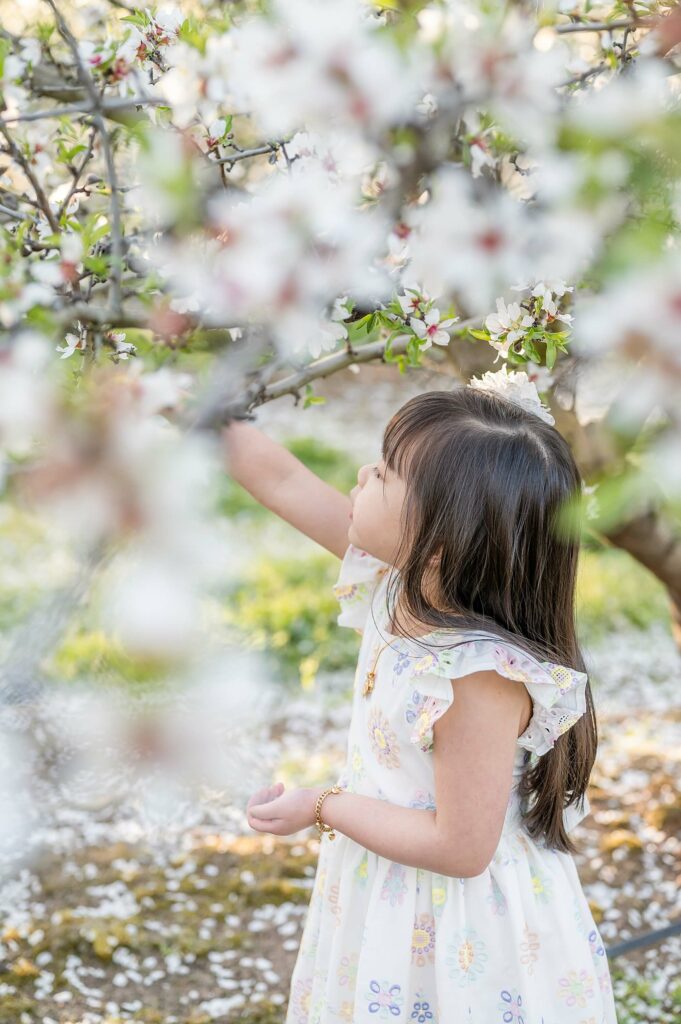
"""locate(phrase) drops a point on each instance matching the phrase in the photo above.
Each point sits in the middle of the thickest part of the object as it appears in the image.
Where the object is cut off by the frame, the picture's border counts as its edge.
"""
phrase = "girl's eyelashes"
(377, 473)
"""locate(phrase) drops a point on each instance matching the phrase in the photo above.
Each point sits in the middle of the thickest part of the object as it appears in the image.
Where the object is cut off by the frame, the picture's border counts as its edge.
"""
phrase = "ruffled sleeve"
(558, 693)
(357, 580)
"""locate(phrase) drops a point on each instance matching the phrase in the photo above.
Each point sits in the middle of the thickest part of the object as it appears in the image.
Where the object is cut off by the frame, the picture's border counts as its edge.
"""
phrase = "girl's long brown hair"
(485, 482)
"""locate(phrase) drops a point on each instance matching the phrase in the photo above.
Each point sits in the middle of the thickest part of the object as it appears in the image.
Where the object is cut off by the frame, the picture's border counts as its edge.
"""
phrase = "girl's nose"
(361, 473)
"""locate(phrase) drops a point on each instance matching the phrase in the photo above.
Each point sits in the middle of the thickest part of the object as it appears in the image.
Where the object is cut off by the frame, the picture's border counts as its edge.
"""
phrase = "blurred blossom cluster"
(278, 257)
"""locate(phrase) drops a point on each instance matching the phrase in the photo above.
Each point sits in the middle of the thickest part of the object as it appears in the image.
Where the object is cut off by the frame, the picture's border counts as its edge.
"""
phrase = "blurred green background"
(282, 604)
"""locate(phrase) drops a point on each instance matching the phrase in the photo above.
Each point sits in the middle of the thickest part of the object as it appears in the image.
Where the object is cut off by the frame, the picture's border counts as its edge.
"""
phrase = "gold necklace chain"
(371, 674)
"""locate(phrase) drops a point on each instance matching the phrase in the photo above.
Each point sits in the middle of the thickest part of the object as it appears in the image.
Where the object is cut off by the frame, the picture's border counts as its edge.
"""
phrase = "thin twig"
(96, 99)
(107, 106)
(603, 26)
(244, 154)
(43, 201)
(77, 172)
(103, 316)
(12, 213)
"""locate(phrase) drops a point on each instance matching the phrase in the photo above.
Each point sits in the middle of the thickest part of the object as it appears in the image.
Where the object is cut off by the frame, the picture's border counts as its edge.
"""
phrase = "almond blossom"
(431, 330)
(281, 256)
(414, 300)
(462, 245)
(308, 63)
(506, 326)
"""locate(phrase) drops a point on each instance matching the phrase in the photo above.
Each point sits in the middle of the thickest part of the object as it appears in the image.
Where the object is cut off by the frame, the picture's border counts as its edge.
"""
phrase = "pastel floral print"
(385, 1000)
(576, 987)
(362, 870)
(423, 712)
(597, 948)
(383, 739)
(438, 892)
(354, 770)
(604, 979)
(466, 957)
(345, 1012)
(402, 664)
(353, 593)
(334, 904)
(347, 970)
(511, 1006)
(299, 1000)
(320, 883)
(422, 1010)
(579, 917)
(541, 885)
(423, 940)
(496, 898)
(316, 1011)
(395, 887)
(529, 949)
(423, 799)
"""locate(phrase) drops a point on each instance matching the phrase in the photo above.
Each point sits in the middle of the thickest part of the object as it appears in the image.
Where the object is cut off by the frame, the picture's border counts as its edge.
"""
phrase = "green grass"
(634, 998)
(286, 607)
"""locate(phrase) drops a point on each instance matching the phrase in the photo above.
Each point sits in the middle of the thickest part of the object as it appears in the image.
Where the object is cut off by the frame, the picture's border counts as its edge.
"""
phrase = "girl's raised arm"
(283, 484)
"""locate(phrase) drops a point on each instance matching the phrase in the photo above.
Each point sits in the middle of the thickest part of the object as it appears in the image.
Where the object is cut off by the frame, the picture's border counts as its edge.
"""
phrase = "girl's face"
(377, 502)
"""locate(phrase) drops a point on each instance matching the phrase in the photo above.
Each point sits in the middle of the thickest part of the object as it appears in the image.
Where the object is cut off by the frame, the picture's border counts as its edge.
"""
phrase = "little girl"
(446, 890)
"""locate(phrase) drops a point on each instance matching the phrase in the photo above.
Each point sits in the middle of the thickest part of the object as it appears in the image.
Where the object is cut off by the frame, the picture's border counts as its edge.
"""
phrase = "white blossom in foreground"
(282, 256)
(491, 55)
(28, 393)
(638, 318)
(460, 244)
(311, 64)
(627, 104)
(160, 758)
(432, 330)
(507, 325)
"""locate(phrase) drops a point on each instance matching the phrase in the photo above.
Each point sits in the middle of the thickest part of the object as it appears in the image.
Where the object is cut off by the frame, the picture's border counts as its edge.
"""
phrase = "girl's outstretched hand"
(273, 810)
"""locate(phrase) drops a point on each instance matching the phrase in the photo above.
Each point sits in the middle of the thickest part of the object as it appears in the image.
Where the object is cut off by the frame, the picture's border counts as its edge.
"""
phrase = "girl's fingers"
(262, 811)
(263, 795)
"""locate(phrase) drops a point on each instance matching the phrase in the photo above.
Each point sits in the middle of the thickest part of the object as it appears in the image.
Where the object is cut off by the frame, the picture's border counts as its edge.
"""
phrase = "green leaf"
(99, 265)
(67, 155)
(531, 350)
(137, 18)
(480, 335)
(550, 354)
(311, 398)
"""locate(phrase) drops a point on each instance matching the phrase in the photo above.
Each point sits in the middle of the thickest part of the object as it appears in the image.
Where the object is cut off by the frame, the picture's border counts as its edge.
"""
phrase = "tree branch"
(604, 26)
(43, 201)
(257, 393)
(89, 85)
(107, 107)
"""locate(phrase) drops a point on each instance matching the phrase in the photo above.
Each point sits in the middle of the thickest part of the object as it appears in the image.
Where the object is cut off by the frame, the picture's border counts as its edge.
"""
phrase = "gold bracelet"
(321, 825)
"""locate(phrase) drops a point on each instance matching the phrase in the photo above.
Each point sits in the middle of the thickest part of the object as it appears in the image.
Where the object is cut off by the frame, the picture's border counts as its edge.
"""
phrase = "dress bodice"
(390, 741)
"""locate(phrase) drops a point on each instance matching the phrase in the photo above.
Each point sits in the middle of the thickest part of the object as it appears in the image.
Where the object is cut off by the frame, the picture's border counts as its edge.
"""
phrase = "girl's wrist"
(316, 792)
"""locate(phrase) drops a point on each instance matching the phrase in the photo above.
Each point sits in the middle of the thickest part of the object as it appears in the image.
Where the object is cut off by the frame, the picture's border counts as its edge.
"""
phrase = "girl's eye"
(377, 473)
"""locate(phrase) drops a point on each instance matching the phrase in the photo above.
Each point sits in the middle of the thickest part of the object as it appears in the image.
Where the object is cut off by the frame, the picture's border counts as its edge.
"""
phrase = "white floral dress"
(516, 944)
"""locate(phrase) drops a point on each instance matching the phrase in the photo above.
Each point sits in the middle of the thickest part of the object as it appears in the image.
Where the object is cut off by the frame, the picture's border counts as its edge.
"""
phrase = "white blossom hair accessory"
(516, 387)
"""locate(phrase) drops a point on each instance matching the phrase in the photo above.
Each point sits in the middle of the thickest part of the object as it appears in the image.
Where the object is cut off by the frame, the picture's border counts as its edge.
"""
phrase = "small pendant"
(368, 683)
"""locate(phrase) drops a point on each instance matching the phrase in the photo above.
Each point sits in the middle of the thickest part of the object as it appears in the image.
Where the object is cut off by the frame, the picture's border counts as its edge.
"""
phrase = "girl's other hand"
(282, 814)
